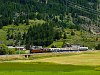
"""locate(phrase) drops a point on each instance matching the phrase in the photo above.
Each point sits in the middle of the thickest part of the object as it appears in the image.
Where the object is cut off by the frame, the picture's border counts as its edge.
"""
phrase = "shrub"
(64, 37)
(72, 33)
(11, 51)
(3, 49)
(97, 47)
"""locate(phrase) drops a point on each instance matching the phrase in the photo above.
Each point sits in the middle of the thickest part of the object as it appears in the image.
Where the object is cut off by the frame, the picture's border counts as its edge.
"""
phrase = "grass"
(39, 68)
(49, 55)
(51, 73)
(37, 21)
(85, 63)
(23, 51)
(57, 44)
(78, 59)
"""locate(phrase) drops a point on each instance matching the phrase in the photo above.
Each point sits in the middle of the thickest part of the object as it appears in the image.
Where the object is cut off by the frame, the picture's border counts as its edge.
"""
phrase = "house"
(75, 47)
(17, 47)
(36, 47)
(11, 47)
(66, 45)
(44, 1)
(20, 48)
(83, 48)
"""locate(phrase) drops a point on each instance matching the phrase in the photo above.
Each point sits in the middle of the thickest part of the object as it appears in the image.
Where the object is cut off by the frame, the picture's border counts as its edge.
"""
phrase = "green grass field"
(75, 58)
(46, 69)
(85, 63)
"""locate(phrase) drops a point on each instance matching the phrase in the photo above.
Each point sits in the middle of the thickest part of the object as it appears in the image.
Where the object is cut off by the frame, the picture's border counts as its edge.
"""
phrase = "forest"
(20, 11)
(57, 14)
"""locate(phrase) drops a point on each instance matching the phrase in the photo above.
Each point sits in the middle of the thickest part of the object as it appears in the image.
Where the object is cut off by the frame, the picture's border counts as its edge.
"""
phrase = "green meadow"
(85, 63)
(39, 68)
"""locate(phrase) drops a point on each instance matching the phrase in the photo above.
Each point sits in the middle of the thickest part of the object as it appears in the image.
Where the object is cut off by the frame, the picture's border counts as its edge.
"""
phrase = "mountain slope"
(59, 15)
(19, 10)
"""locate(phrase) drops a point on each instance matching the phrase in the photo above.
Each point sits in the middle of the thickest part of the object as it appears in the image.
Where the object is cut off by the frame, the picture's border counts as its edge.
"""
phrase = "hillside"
(50, 22)
(85, 12)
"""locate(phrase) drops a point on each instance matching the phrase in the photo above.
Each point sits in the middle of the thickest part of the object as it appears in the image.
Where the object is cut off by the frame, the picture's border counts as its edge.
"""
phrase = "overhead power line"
(91, 9)
(82, 8)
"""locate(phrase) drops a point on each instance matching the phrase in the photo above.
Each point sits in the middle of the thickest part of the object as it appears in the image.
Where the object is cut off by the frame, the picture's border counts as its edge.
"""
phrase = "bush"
(97, 47)
(53, 46)
(11, 51)
(64, 37)
(3, 49)
(72, 33)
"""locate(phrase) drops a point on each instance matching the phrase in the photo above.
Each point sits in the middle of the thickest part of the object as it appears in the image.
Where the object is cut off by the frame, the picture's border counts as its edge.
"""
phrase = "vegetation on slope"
(22, 15)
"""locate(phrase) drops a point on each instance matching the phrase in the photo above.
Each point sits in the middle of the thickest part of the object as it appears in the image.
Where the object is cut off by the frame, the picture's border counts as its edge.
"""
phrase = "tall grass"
(39, 68)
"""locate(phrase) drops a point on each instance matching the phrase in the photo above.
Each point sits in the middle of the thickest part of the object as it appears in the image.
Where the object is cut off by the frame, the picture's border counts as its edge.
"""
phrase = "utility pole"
(19, 48)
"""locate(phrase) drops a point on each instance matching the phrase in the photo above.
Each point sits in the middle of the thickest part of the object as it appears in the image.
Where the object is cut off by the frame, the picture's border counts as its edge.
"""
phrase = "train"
(39, 49)
(46, 50)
